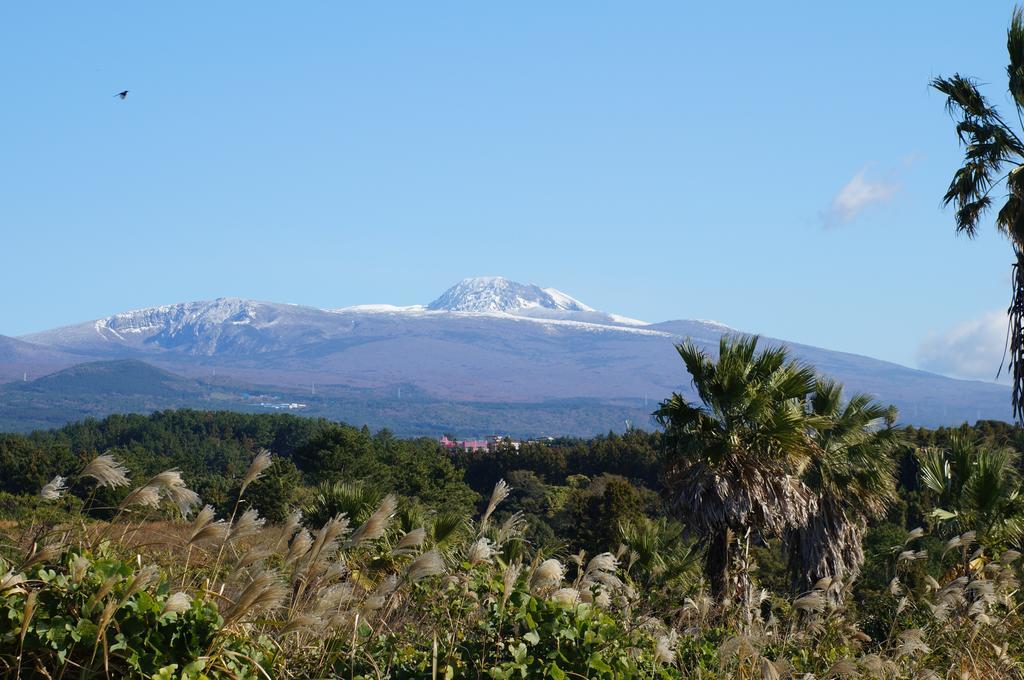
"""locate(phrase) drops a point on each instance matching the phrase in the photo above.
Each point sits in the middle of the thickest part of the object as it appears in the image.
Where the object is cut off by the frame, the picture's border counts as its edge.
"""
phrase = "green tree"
(27, 466)
(591, 514)
(529, 496)
(851, 472)
(659, 555)
(733, 461)
(976, 487)
(415, 469)
(352, 499)
(274, 494)
(338, 451)
(993, 158)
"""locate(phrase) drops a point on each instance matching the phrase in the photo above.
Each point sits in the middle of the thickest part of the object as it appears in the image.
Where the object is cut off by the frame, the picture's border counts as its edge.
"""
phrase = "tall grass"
(157, 592)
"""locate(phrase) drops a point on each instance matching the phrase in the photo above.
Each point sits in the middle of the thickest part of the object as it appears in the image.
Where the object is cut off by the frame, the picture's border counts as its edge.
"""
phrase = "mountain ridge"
(486, 339)
(498, 294)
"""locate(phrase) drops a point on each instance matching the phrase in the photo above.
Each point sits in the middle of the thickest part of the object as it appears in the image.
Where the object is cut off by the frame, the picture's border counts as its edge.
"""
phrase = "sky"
(778, 167)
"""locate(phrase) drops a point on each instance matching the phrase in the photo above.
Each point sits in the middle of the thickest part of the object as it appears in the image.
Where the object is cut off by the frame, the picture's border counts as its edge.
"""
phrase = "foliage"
(851, 473)
(371, 583)
(375, 585)
(660, 559)
(976, 487)
(210, 448)
(993, 157)
(98, 614)
(349, 599)
(354, 500)
(734, 462)
(588, 515)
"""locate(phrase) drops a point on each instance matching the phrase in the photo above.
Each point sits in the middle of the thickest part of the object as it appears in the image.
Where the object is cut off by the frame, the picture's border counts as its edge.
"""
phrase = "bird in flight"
(122, 95)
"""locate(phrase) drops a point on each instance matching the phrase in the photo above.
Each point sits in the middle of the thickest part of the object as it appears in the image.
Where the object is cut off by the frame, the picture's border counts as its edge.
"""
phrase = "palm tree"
(353, 499)
(852, 474)
(733, 461)
(976, 487)
(993, 157)
(659, 555)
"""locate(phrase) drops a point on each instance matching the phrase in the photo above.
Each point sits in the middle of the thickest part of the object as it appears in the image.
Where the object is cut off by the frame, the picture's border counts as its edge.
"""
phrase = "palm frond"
(1015, 48)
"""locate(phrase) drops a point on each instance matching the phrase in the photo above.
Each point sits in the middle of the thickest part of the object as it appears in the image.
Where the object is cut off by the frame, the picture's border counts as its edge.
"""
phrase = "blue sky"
(776, 168)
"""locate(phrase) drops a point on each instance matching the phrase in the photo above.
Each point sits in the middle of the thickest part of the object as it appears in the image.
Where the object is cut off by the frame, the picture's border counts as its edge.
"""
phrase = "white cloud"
(856, 195)
(973, 349)
(911, 159)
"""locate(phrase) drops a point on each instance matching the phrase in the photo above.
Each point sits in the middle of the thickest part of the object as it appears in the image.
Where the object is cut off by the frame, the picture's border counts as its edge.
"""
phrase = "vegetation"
(851, 479)
(732, 460)
(99, 388)
(775, 528)
(993, 158)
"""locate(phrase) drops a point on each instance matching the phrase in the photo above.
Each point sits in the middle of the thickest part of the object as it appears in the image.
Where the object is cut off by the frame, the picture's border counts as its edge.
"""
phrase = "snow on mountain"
(380, 309)
(498, 294)
(197, 328)
(194, 318)
(563, 301)
(488, 339)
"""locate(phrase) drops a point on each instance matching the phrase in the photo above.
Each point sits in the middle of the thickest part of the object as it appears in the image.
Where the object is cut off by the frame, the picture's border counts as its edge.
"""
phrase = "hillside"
(96, 389)
(483, 344)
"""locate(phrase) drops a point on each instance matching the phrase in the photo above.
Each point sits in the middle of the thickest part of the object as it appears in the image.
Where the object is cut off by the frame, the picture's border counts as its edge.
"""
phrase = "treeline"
(570, 490)
(574, 493)
(608, 493)
(213, 448)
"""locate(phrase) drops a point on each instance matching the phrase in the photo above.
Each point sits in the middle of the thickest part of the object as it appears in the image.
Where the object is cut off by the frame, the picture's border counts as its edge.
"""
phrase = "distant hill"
(20, 359)
(98, 389)
(125, 377)
(487, 348)
(93, 390)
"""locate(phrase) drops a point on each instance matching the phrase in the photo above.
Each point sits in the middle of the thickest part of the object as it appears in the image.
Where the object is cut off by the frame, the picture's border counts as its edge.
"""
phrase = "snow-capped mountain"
(192, 317)
(484, 339)
(498, 294)
(202, 323)
(205, 328)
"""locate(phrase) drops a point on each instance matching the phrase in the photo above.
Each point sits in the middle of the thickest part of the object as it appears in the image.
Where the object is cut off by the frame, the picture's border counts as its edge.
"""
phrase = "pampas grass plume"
(147, 496)
(53, 489)
(548, 573)
(107, 471)
(178, 603)
(410, 542)
(566, 596)
(500, 493)
(377, 523)
(257, 467)
(427, 564)
(247, 525)
(265, 592)
(480, 551)
(205, 529)
(299, 546)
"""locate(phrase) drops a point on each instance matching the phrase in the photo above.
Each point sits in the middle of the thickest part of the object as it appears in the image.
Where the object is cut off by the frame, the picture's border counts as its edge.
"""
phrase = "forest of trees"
(826, 497)
(773, 526)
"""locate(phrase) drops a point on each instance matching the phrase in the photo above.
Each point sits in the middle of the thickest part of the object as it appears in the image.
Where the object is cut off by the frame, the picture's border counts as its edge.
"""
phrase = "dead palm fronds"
(734, 460)
(851, 472)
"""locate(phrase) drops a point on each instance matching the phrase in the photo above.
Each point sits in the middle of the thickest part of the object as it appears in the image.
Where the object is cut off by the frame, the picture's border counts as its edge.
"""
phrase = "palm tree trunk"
(716, 562)
(1016, 330)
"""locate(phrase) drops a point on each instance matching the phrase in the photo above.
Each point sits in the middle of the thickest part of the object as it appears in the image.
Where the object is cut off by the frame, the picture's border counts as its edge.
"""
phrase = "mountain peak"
(172, 317)
(498, 294)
